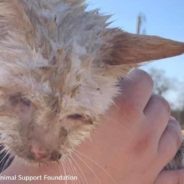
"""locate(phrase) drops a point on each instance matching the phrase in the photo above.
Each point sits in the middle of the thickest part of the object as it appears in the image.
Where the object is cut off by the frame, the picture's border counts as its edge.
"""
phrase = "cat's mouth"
(36, 156)
(43, 157)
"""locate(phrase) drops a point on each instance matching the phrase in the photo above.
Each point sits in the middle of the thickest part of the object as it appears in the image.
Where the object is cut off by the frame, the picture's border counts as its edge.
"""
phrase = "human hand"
(137, 139)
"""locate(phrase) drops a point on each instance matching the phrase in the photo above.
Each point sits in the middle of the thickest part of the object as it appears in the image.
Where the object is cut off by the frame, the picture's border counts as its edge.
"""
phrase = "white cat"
(60, 67)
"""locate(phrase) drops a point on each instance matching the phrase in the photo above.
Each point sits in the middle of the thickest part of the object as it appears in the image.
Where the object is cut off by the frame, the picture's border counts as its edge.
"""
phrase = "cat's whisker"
(73, 168)
(64, 171)
(3, 161)
(57, 162)
(10, 159)
(59, 169)
(2, 169)
(67, 166)
(83, 176)
(70, 167)
(87, 165)
(4, 156)
(77, 171)
(2, 150)
(98, 165)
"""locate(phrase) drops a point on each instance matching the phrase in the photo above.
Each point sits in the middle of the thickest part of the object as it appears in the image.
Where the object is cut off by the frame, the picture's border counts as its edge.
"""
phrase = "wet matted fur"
(60, 68)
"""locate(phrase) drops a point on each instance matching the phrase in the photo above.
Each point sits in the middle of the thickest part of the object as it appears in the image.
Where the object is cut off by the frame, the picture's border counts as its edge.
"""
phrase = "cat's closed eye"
(75, 117)
(80, 117)
(19, 99)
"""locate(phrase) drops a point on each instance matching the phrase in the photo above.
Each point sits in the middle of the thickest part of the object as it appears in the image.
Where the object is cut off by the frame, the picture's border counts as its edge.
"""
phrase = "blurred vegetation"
(141, 19)
(171, 90)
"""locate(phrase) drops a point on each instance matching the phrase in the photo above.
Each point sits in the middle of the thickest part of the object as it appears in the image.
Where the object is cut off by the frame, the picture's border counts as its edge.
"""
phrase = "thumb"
(171, 177)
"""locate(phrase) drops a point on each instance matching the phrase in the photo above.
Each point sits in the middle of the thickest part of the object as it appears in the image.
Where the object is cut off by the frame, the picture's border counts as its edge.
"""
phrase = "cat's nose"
(38, 152)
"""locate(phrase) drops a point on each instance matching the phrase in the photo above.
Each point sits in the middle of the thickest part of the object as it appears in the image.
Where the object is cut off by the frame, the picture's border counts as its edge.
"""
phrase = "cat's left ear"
(125, 48)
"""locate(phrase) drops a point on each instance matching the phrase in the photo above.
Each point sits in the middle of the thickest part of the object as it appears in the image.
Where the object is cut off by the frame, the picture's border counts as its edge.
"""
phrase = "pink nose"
(38, 152)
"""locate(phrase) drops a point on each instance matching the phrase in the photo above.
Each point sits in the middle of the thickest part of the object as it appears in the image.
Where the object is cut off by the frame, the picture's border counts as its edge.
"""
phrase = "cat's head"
(59, 73)
(46, 110)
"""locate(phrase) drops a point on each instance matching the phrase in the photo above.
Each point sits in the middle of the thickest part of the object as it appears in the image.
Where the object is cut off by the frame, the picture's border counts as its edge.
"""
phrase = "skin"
(137, 138)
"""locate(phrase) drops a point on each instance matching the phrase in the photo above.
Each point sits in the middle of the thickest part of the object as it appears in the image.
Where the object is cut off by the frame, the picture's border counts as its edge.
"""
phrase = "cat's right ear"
(121, 48)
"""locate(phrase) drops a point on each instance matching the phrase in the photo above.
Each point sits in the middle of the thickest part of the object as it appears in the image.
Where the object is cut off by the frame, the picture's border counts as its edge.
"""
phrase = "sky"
(163, 18)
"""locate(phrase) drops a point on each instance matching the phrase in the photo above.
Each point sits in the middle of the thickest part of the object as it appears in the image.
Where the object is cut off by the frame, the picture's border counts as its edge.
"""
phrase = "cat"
(60, 69)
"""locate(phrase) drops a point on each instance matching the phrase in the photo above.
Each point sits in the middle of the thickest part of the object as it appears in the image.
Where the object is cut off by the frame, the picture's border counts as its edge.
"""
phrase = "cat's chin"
(37, 163)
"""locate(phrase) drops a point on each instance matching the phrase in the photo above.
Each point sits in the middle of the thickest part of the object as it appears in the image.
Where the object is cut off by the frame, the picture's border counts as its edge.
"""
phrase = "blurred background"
(163, 18)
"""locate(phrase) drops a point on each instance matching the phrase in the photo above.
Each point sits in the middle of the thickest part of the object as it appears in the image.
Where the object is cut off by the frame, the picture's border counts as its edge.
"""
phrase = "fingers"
(157, 113)
(136, 89)
(170, 142)
(171, 177)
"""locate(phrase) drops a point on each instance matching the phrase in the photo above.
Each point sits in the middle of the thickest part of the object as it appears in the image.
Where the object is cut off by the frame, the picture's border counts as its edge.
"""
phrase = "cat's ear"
(126, 48)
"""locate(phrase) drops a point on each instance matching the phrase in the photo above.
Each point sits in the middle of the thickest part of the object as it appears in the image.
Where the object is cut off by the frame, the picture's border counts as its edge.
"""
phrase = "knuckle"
(162, 102)
(144, 76)
(131, 112)
(175, 130)
(143, 144)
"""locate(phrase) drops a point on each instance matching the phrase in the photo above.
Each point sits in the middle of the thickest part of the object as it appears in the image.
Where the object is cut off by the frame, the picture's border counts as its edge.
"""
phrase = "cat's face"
(39, 129)
(43, 120)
